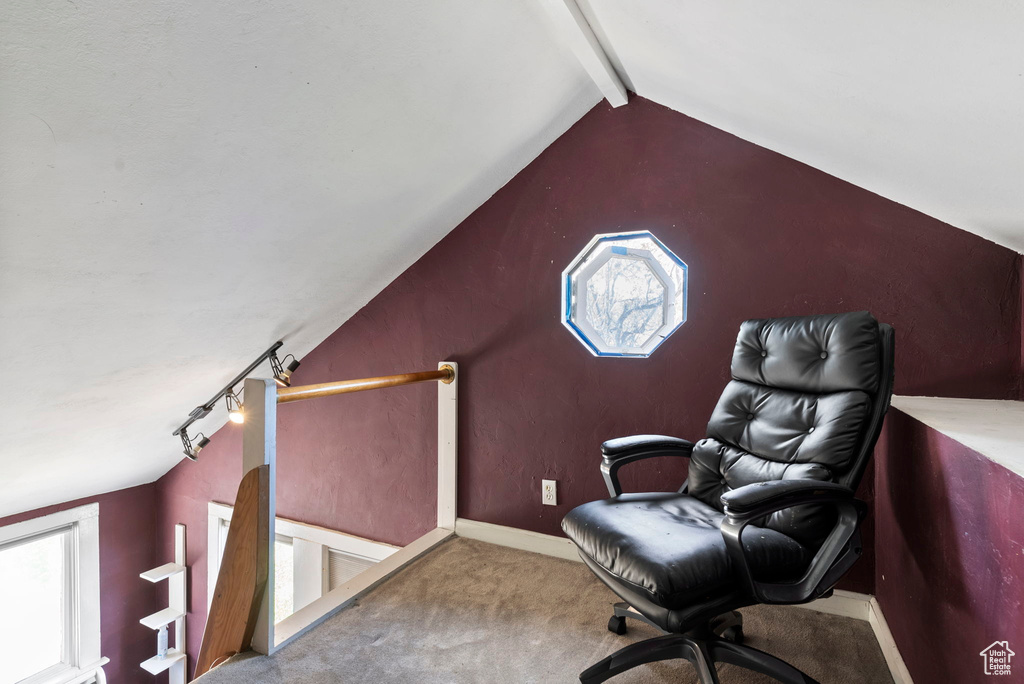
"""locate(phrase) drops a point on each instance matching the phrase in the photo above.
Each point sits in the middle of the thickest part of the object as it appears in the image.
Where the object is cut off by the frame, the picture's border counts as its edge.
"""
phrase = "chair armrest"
(836, 555)
(624, 446)
(616, 453)
(748, 499)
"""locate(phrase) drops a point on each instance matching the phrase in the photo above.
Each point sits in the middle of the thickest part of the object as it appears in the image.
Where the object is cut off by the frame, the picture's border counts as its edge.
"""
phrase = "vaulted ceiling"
(183, 183)
(920, 102)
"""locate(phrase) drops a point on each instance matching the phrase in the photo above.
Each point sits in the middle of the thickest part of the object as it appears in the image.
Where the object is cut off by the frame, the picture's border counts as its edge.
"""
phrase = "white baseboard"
(842, 603)
(865, 607)
(898, 668)
(513, 537)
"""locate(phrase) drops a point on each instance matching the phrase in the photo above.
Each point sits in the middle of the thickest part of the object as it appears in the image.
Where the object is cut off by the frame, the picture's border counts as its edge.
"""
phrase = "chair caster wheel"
(733, 634)
(617, 625)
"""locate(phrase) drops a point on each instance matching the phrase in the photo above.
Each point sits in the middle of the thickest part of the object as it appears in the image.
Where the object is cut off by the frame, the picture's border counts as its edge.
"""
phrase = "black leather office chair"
(767, 513)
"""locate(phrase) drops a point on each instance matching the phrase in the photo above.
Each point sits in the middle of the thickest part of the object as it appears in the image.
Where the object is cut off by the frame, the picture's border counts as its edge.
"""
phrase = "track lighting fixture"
(283, 373)
(235, 412)
(192, 450)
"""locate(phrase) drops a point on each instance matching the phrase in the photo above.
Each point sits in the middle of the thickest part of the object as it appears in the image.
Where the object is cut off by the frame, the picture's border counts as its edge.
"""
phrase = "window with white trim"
(624, 294)
(309, 561)
(50, 599)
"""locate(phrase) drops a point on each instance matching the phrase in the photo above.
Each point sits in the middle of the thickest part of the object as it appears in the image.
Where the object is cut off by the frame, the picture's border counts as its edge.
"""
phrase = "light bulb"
(235, 407)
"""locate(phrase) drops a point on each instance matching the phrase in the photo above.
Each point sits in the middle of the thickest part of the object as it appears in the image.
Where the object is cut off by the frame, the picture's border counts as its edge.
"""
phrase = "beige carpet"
(475, 612)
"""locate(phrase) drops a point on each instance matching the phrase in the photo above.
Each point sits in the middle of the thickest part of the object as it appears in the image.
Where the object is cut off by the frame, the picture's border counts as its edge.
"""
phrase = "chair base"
(720, 641)
(703, 653)
(728, 626)
(622, 611)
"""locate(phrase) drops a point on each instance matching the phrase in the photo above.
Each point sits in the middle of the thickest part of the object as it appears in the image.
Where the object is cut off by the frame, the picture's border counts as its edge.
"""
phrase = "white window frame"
(310, 547)
(599, 251)
(82, 661)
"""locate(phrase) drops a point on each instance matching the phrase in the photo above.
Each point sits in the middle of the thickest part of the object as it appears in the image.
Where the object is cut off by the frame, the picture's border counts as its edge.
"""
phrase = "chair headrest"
(826, 353)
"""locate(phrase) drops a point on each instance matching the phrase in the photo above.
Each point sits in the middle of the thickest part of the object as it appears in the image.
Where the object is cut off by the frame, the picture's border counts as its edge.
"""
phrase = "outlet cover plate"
(549, 492)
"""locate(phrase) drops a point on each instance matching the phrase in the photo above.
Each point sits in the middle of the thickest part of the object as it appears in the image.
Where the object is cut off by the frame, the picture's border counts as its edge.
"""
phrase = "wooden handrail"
(287, 394)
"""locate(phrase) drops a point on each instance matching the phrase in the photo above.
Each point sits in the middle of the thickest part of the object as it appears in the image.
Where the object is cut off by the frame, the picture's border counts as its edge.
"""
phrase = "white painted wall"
(182, 183)
(921, 102)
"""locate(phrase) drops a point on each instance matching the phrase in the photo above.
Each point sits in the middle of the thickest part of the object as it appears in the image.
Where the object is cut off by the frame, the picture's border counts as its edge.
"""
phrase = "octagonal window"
(624, 294)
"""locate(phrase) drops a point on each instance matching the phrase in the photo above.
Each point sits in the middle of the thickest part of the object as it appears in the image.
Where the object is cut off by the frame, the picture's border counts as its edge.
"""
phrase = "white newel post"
(447, 447)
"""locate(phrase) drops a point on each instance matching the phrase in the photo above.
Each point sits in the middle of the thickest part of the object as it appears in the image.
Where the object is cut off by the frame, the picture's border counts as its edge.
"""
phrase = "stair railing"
(241, 614)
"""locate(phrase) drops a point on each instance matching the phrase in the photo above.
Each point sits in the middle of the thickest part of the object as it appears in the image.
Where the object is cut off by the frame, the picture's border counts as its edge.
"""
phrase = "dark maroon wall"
(763, 236)
(949, 560)
(127, 547)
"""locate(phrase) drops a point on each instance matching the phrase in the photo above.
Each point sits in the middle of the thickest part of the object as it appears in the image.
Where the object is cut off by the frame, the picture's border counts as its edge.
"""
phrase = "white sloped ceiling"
(920, 102)
(182, 183)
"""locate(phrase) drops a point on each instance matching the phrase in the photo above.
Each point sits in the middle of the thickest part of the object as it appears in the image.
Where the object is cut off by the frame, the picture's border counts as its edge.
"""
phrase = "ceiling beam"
(576, 31)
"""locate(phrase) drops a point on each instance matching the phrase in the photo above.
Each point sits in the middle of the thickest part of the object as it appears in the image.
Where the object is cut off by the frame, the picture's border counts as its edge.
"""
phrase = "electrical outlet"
(549, 492)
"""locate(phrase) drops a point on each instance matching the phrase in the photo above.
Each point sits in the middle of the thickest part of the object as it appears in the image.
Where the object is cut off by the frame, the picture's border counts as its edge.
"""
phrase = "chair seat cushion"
(668, 547)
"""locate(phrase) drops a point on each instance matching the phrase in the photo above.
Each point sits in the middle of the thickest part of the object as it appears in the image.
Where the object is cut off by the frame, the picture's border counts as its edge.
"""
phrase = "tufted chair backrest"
(806, 401)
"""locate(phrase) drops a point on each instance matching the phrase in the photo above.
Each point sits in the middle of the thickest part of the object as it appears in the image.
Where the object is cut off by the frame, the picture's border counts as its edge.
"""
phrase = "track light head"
(289, 369)
(192, 450)
(282, 372)
(236, 413)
